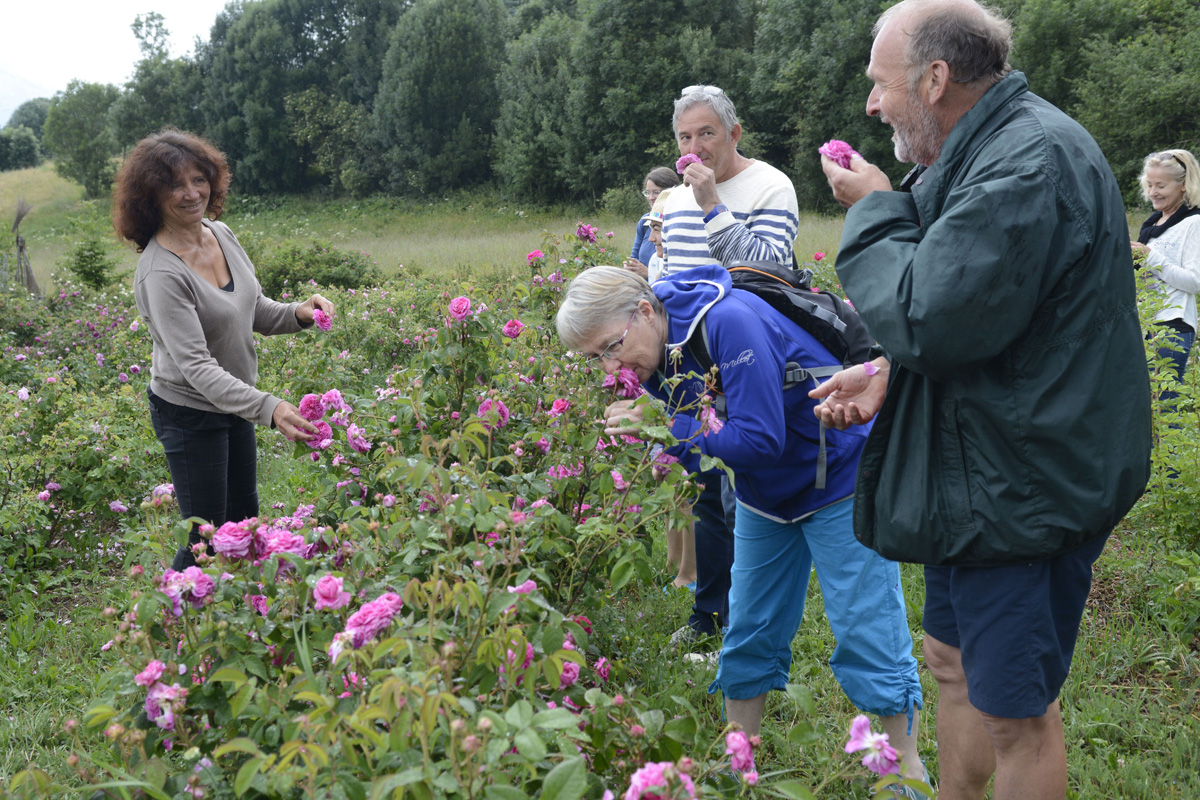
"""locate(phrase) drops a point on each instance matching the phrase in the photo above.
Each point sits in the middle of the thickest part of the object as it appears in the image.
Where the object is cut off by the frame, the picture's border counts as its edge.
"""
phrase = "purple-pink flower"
(191, 585)
(737, 746)
(710, 421)
(150, 675)
(373, 618)
(602, 668)
(684, 160)
(513, 328)
(235, 539)
(525, 588)
(586, 232)
(311, 407)
(656, 780)
(323, 437)
(881, 758)
(626, 383)
(460, 308)
(839, 152)
(559, 407)
(818, 256)
(568, 676)
(118, 507)
(161, 702)
(329, 594)
(358, 443)
(535, 255)
(322, 320)
(618, 481)
(493, 413)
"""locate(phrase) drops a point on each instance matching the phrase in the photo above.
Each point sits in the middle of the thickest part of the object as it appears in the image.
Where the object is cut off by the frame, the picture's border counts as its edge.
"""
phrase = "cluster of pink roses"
(313, 408)
(661, 780)
(586, 233)
(740, 748)
(50, 488)
(250, 540)
(163, 701)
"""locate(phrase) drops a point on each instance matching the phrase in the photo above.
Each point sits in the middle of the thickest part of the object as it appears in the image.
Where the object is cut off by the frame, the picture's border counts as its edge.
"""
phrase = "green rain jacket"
(1000, 283)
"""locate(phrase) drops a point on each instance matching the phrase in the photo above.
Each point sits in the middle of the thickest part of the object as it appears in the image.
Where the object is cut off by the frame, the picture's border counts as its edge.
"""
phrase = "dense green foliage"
(31, 114)
(287, 266)
(18, 148)
(564, 100)
(76, 135)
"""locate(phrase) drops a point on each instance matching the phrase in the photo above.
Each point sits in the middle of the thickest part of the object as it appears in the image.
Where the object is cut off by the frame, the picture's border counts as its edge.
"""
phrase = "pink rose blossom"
(618, 481)
(358, 443)
(373, 618)
(534, 256)
(570, 674)
(711, 422)
(311, 407)
(662, 465)
(602, 668)
(543, 445)
(332, 400)
(525, 588)
(23, 394)
(323, 437)
(118, 507)
(656, 780)
(513, 328)
(559, 407)
(586, 232)
(150, 675)
(493, 413)
(160, 704)
(460, 308)
(329, 594)
(625, 382)
(881, 757)
(818, 256)
(44, 496)
(839, 152)
(322, 320)
(737, 745)
(235, 539)
(684, 160)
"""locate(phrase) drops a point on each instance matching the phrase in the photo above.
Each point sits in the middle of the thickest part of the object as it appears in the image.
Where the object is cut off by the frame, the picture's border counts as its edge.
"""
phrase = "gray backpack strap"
(793, 375)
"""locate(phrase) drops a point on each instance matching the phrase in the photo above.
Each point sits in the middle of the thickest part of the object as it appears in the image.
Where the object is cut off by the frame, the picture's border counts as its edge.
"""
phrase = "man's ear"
(735, 135)
(937, 81)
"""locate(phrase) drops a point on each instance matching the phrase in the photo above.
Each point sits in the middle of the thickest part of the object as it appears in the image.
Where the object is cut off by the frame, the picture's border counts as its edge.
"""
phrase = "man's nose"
(873, 103)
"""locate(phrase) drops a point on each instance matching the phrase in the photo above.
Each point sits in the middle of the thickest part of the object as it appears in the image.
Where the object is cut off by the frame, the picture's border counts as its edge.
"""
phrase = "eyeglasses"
(651, 192)
(611, 351)
(703, 89)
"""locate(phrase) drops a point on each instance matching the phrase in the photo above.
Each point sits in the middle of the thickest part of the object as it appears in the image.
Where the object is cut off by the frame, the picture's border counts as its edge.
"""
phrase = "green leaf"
(530, 745)
(682, 730)
(552, 639)
(803, 733)
(238, 745)
(555, 719)
(246, 774)
(794, 790)
(504, 793)
(228, 675)
(240, 700)
(567, 781)
(802, 697)
(622, 573)
(98, 716)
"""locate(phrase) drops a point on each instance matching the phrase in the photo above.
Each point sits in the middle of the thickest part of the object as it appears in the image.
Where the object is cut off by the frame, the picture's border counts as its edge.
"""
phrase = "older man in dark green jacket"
(1012, 413)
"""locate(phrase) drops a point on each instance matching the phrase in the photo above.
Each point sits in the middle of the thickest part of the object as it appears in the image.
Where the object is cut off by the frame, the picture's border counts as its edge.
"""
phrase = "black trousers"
(214, 466)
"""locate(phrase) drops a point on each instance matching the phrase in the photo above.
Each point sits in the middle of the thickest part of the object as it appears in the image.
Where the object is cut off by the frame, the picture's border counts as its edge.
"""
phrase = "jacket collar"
(981, 117)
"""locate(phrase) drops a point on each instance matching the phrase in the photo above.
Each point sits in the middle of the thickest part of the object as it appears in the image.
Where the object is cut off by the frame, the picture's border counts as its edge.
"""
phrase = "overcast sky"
(47, 43)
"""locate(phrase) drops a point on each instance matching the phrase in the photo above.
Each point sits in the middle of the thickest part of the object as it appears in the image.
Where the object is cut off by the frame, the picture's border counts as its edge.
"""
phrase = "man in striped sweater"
(730, 208)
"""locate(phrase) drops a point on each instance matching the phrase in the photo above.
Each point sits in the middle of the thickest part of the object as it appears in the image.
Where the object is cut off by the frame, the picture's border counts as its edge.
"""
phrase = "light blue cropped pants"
(873, 660)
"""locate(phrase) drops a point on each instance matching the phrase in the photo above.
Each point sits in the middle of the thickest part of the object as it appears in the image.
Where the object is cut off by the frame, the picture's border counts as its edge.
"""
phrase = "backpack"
(823, 315)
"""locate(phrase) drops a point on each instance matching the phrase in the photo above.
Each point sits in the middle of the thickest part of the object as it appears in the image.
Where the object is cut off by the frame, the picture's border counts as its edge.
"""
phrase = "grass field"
(441, 235)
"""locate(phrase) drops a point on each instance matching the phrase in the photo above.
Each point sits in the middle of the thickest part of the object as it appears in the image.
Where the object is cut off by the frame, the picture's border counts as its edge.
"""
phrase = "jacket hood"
(687, 296)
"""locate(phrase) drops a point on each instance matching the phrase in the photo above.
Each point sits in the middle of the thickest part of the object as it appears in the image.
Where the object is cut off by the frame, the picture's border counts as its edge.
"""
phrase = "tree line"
(565, 100)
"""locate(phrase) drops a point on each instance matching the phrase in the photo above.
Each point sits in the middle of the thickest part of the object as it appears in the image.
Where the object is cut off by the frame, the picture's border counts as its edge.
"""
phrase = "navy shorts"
(1015, 624)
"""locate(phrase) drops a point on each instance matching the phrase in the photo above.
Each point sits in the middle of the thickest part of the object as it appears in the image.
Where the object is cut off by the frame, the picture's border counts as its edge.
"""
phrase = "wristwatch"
(717, 209)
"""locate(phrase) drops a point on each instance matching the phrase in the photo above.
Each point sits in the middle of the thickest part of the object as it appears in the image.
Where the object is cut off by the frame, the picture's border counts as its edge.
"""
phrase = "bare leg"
(966, 759)
(896, 727)
(1031, 756)
(747, 713)
(687, 560)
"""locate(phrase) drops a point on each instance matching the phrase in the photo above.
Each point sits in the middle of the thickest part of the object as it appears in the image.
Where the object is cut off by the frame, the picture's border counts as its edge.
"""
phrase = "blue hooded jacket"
(770, 438)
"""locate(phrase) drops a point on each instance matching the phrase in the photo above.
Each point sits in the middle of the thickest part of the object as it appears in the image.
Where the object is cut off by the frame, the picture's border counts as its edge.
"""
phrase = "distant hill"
(14, 91)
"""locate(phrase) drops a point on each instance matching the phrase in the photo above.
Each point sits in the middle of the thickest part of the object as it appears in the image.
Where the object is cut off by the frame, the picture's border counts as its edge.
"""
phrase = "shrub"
(291, 263)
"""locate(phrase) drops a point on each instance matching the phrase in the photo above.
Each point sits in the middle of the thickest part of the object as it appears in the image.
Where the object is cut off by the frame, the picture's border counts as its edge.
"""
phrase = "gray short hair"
(718, 101)
(1182, 166)
(597, 297)
(973, 39)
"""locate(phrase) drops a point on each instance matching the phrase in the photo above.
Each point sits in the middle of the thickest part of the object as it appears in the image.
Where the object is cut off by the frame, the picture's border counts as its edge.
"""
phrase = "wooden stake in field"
(23, 264)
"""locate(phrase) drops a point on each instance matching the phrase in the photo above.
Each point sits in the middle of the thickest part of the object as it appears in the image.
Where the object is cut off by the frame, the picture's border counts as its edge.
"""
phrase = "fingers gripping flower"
(881, 758)
(322, 320)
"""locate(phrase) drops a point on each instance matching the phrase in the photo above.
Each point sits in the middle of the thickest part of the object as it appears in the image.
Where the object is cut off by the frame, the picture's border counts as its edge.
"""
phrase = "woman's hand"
(304, 311)
(287, 419)
(1138, 248)
(622, 417)
(636, 267)
(852, 397)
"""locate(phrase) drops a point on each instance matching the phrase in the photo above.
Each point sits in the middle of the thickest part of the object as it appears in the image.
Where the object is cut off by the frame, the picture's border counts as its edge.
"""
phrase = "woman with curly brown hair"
(197, 291)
